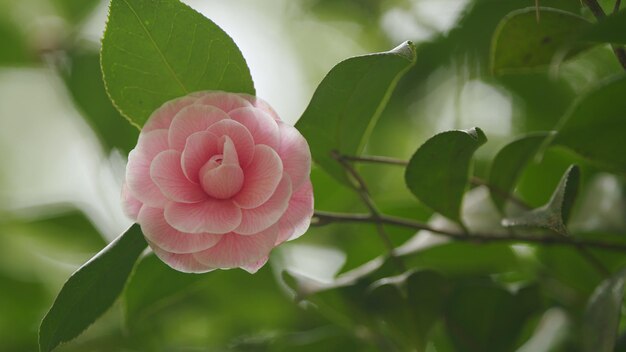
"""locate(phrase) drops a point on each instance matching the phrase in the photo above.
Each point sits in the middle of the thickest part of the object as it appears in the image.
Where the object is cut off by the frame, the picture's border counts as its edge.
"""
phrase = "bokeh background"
(63, 150)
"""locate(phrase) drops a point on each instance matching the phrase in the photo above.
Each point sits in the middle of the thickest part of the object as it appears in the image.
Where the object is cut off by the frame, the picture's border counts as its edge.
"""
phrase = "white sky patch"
(50, 153)
(422, 19)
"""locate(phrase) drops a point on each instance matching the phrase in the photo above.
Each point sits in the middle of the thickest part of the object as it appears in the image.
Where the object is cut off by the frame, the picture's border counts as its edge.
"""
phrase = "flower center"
(222, 177)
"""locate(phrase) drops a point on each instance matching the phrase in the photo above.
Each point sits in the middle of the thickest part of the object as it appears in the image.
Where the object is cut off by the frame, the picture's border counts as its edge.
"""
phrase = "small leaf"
(438, 172)
(84, 82)
(602, 316)
(91, 290)
(15, 50)
(611, 29)
(521, 42)
(65, 230)
(348, 102)
(75, 11)
(156, 50)
(595, 126)
(555, 214)
(509, 163)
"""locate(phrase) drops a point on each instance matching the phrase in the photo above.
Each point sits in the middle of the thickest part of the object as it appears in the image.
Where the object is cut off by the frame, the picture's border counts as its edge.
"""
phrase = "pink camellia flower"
(217, 180)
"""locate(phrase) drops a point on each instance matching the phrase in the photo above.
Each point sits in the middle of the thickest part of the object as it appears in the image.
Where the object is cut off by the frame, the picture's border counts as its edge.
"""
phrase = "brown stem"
(598, 12)
(361, 188)
(323, 218)
(473, 180)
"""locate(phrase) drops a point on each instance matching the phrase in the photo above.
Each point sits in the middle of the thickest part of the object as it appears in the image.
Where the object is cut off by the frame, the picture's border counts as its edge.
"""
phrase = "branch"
(361, 189)
(473, 180)
(598, 12)
(323, 218)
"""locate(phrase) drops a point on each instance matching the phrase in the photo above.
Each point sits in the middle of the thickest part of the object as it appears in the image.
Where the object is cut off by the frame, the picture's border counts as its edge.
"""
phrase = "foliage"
(461, 238)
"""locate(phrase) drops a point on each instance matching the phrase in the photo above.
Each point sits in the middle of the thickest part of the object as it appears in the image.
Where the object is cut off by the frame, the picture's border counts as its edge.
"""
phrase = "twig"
(323, 218)
(361, 188)
(473, 180)
(598, 12)
(377, 159)
(537, 10)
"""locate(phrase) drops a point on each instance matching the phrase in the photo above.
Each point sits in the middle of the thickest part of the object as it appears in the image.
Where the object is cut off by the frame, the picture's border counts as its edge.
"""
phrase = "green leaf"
(594, 127)
(15, 51)
(611, 29)
(348, 102)
(438, 172)
(555, 214)
(465, 258)
(84, 82)
(153, 281)
(156, 50)
(409, 305)
(602, 316)
(485, 317)
(91, 290)
(22, 300)
(69, 229)
(75, 11)
(520, 42)
(509, 163)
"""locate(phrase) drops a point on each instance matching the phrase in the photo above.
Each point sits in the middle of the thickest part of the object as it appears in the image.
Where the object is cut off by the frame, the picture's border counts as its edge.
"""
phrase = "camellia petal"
(261, 104)
(168, 175)
(138, 180)
(130, 204)
(235, 250)
(163, 116)
(185, 263)
(217, 181)
(267, 214)
(212, 215)
(262, 126)
(224, 102)
(297, 218)
(159, 232)
(261, 178)
(295, 154)
(254, 267)
(191, 119)
(222, 178)
(242, 139)
(200, 147)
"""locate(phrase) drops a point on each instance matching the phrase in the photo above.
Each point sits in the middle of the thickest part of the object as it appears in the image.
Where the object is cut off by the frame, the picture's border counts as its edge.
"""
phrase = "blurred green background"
(63, 148)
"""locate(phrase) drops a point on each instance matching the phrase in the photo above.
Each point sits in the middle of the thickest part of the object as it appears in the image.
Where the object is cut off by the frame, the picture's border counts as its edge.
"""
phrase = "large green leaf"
(157, 50)
(595, 126)
(602, 315)
(485, 317)
(348, 102)
(408, 306)
(91, 290)
(521, 42)
(611, 29)
(438, 172)
(509, 163)
(555, 214)
(84, 82)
